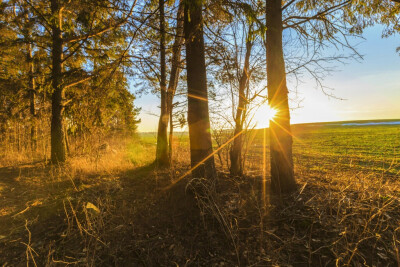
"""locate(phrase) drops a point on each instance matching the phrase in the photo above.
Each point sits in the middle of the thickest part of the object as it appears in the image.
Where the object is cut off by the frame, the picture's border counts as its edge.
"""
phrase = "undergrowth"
(112, 208)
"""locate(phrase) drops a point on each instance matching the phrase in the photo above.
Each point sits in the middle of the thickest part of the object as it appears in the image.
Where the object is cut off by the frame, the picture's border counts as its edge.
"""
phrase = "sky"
(369, 88)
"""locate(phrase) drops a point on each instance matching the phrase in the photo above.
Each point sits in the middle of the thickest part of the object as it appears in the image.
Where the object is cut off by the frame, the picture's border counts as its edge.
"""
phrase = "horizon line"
(300, 123)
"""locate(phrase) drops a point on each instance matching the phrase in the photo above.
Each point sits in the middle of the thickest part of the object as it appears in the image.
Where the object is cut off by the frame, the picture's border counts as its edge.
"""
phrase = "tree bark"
(175, 70)
(162, 158)
(282, 175)
(236, 168)
(198, 117)
(57, 109)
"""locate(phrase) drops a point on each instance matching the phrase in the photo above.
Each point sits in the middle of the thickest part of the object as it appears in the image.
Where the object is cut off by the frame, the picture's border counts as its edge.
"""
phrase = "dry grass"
(109, 208)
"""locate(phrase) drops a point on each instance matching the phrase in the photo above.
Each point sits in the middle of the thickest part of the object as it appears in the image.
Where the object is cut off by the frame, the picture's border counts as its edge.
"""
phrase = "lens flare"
(263, 115)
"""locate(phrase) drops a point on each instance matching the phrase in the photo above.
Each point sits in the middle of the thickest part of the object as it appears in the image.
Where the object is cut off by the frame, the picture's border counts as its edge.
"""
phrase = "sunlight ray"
(288, 132)
(198, 97)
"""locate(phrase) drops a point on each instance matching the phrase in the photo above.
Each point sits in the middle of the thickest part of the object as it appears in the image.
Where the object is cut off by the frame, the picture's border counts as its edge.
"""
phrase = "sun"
(263, 115)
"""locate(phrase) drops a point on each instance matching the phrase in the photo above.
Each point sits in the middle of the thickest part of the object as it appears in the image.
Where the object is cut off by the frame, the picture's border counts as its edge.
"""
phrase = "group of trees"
(67, 63)
(71, 62)
(277, 30)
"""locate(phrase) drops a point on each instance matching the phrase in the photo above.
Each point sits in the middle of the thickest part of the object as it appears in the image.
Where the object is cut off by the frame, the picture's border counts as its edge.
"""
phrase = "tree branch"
(319, 15)
(289, 3)
(101, 31)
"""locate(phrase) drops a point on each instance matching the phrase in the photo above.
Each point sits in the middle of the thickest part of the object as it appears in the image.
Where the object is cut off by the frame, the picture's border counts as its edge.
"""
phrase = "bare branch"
(289, 3)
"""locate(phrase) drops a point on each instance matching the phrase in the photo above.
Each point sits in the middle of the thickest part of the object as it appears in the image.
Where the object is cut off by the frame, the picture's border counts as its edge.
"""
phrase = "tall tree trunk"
(57, 130)
(236, 150)
(282, 175)
(175, 69)
(162, 141)
(32, 94)
(27, 30)
(198, 117)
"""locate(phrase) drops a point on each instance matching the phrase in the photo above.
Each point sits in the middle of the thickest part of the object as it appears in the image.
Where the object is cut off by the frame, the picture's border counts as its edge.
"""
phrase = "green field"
(360, 148)
(325, 147)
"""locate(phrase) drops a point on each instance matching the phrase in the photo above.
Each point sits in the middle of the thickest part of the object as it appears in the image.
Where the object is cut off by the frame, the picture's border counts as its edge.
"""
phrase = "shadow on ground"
(45, 217)
(128, 219)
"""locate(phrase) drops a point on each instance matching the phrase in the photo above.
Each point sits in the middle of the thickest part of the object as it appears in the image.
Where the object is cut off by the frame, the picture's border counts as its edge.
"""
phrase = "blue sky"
(370, 87)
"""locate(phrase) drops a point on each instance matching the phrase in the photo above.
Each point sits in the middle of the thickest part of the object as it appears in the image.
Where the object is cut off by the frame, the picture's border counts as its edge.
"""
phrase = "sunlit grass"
(141, 153)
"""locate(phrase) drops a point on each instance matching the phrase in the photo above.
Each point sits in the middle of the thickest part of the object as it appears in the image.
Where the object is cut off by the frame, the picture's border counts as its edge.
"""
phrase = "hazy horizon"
(345, 122)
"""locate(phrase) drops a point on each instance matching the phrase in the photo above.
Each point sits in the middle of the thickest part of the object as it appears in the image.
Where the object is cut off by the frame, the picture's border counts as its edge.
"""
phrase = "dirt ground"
(51, 216)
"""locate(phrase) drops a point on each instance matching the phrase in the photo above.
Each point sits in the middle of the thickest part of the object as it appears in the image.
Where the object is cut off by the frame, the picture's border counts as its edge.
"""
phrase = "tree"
(202, 159)
(90, 25)
(31, 85)
(236, 150)
(19, 77)
(58, 146)
(162, 155)
(88, 44)
(315, 25)
(175, 70)
(151, 65)
(24, 25)
(282, 175)
(235, 58)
